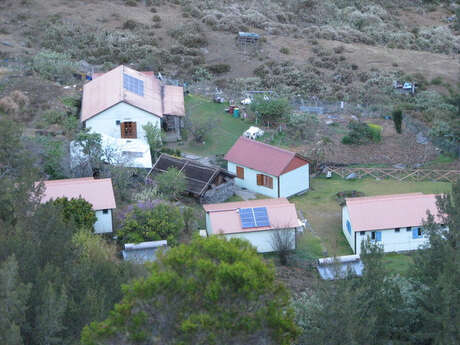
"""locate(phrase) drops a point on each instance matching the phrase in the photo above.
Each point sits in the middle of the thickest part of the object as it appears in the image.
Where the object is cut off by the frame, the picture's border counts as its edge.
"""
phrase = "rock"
(421, 139)
(352, 176)
(399, 166)
(329, 122)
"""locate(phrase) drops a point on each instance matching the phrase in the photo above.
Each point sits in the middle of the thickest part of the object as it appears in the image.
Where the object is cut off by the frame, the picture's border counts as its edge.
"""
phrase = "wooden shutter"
(133, 130)
(128, 130)
(122, 130)
(260, 179)
(269, 182)
(240, 172)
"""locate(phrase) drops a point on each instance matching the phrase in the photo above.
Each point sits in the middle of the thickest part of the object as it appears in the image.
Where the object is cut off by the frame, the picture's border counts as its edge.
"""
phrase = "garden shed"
(209, 184)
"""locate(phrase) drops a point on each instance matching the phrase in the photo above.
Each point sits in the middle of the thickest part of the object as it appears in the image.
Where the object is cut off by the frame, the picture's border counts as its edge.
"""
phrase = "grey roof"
(198, 177)
(143, 252)
(340, 267)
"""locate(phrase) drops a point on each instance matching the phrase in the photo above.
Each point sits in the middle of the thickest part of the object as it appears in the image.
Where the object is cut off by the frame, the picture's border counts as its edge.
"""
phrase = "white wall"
(250, 181)
(393, 241)
(105, 122)
(294, 181)
(208, 225)
(350, 237)
(262, 240)
(104, 222)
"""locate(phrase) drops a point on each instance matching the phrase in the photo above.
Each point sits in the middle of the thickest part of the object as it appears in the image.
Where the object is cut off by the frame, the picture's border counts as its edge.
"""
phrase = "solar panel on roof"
(133, 84)
(261, 216)
(247, 218)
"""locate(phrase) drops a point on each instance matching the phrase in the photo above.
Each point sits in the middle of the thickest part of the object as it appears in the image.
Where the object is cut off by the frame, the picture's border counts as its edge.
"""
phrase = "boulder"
(352, 176)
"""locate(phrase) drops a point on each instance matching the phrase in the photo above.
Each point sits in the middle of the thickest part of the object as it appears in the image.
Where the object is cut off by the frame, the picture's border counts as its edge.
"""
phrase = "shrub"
(156, 18)
(171, 183)
(362, 133)
(285, 51)
(436, 81)
(163, 222)
(8, 105)
(219, 68)
(271, 110)
(54, 66)
(20, 98)
(130, 24)
(397, 119)
(132, 3)
(339, 49)
(78, 211)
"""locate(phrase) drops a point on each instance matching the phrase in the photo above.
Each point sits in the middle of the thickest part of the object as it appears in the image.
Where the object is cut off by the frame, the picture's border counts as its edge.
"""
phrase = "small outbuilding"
(267, 169)
(209, 184)
(393, 221)
(143, 252)
(257, 221)
(98, 192)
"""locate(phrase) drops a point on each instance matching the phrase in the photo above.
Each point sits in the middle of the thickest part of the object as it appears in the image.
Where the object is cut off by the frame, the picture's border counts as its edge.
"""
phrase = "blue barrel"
(236, 112)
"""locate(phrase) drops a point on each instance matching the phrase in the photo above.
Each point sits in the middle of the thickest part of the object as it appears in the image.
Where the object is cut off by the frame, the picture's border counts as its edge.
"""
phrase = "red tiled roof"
(263, 157)
(106, 90)
(98, 193)
(390, 211)
(225, 219)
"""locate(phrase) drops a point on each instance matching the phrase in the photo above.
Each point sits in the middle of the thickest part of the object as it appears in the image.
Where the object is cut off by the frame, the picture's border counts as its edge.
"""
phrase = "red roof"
(263, 157)
(98, 193)
(391, 211)
(106, 90)
(225, 219)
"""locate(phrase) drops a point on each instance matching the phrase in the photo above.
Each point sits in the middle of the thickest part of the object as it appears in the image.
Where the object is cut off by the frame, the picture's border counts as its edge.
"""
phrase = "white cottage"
(267, 169)
(393, 221)
(120, 102)
(255, 221)
(98, 192)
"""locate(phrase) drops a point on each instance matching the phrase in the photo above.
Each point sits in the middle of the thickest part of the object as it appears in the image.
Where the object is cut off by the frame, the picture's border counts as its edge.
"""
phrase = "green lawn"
(226, 128)
(398, 263)
(323, 212)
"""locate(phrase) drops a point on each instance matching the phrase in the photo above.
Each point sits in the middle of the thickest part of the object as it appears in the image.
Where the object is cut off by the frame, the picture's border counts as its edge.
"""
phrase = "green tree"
(212, 291)
(153, 134)
(271, 110)
(397, 119)
(163, 222)
(171, 183)
(436, 272)
(52, 155)
(13, 303)
(79, 211)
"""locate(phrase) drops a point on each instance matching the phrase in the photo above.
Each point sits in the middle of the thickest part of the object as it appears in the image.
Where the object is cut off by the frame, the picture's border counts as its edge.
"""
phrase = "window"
(417, 232)
(128, 130)
(240, 172)
(362, 233)
(349, 227)
(105, 211)
(373, 235)
(397, 230)
(264, 180)
(376, 235)
(409, 228)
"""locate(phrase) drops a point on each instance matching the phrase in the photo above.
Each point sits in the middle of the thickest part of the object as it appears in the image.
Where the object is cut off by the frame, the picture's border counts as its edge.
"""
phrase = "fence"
(398, 174)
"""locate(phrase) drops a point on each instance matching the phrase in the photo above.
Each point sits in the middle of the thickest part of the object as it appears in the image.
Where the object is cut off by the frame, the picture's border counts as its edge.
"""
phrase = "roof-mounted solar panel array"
(133, 84)
(254, 217)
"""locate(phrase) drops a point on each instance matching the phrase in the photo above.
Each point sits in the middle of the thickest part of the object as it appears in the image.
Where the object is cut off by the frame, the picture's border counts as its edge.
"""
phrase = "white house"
(267, 169)
(255, 220)
(120, 102)
(393, 221)
(98, 192)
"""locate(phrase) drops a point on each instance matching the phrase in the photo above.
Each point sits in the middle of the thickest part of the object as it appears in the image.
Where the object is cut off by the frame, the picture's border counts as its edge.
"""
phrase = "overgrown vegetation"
(362, 133)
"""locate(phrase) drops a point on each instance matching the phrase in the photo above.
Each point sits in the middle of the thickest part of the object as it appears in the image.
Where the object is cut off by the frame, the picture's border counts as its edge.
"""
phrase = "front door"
(128, 130)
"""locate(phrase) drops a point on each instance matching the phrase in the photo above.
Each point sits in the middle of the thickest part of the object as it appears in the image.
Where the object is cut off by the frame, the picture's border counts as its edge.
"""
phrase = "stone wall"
(219, 193)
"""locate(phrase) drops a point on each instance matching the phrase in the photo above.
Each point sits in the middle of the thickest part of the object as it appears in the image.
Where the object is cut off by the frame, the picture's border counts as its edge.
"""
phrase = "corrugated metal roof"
(98, 192)
(263, 157)
(225, 218)
(390, 211)
(106, 90)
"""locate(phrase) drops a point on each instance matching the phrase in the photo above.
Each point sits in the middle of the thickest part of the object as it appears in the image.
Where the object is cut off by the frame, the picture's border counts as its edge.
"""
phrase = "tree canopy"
(212, 291)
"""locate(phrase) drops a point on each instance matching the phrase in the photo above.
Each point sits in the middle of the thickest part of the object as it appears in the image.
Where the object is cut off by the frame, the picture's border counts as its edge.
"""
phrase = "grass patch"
(309, 246)
(223, 136)
(398, 263)
(324, 214)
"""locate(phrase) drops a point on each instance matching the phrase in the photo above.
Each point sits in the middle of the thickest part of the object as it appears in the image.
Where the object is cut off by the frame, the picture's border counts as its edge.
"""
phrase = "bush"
(132, 3)
(285, 51)
(8, 105)
(397, 119)
(171, 183)
(54, 66)
(163, 222)
(156, 18)
(219, 68)
(271, 110)
(362, 133)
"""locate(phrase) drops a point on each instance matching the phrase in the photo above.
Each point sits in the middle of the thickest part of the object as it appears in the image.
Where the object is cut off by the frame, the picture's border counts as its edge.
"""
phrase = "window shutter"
(269, 182)
(414, 232)
(134, 130)
(260, 179)
(240, 172)
(378, 235)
